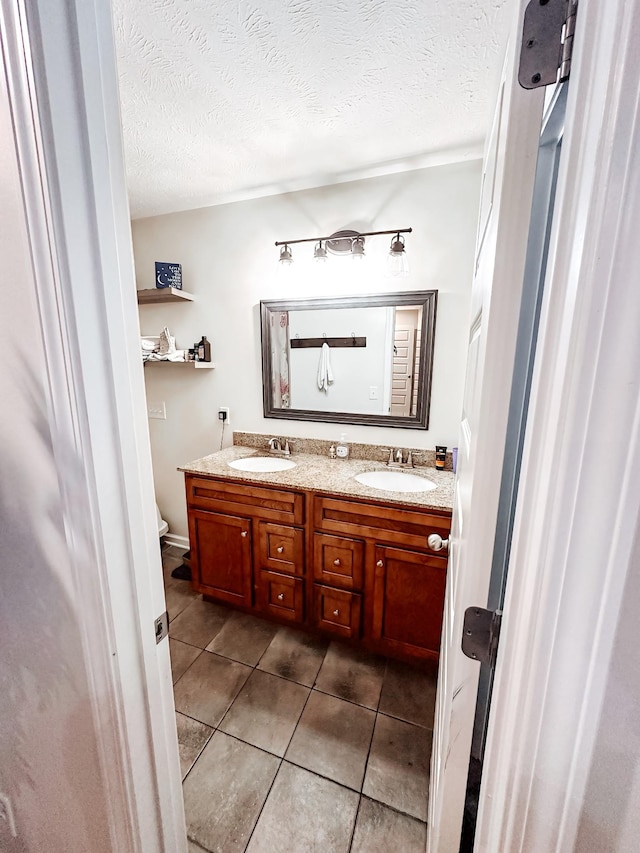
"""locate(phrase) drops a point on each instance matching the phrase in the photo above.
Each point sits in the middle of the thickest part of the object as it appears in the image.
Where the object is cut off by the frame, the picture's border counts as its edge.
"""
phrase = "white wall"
(229, 260)
(355, 370)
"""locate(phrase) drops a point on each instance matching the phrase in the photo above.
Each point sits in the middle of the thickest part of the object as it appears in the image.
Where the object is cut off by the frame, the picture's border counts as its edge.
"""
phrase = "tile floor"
(288, 743)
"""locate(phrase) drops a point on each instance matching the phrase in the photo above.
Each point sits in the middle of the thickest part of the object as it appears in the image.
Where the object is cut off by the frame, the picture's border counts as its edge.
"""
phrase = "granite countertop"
(331, 476)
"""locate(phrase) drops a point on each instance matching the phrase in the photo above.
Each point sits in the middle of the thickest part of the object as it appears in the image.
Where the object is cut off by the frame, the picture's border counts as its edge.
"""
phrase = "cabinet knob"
(437, 543)
(336, 612)
(280, 549)
(244, 534)
(281, 596)
(380, 564)
(337, 562)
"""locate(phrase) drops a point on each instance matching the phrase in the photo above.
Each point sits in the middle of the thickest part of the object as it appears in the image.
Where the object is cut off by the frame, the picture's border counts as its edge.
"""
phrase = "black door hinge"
(547, 42)
(480, 634)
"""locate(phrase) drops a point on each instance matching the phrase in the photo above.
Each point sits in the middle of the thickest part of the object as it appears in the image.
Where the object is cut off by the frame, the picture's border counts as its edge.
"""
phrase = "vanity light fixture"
(348, 243)
(357, 248)
(397, 260)
(320, 252)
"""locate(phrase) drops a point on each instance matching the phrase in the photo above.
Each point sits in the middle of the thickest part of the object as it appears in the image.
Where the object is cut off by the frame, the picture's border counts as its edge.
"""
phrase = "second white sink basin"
(395, 481)
(262, 464)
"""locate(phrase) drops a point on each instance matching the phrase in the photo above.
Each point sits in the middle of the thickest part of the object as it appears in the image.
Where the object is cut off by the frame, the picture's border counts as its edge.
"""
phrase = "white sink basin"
(395, 481)
(263, 464)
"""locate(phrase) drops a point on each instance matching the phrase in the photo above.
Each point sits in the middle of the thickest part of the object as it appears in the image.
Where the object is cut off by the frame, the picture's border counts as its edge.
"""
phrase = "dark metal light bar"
(333, 236)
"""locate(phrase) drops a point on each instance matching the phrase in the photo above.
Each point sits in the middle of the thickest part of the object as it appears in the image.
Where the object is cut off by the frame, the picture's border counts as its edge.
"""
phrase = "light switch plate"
(157, 410)
(373, 392)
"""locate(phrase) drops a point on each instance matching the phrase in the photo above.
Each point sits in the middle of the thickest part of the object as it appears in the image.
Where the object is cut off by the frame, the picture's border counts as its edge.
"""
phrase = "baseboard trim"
(178, 541)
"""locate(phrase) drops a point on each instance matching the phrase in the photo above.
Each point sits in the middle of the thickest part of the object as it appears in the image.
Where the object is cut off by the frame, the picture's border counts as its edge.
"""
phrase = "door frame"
(579, 502)
(92, 299)
(59, 61)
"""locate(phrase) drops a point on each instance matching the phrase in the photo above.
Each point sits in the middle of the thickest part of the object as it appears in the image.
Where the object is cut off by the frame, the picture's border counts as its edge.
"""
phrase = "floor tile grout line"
(355, 823)
(195, 761)
(264, 803)
(393, 809)
(295, 728)
(357, 791)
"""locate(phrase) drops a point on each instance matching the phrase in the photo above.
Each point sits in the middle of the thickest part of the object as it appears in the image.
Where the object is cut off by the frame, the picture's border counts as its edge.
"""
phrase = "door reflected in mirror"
(361, 359)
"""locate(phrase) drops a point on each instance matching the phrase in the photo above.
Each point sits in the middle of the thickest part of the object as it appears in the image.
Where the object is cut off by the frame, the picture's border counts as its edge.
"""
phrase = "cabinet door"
(221, 556)
(408, 601)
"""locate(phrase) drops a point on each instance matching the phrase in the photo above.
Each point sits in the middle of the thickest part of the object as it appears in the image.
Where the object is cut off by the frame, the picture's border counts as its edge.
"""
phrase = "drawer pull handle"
(281, 596)
(244, 534)
(336, 612)
(337, 562)
(280, 549)
(380, 564)
(437, 543)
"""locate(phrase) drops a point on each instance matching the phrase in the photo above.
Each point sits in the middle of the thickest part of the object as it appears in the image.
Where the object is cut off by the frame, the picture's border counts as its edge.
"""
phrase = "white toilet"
(163, 527)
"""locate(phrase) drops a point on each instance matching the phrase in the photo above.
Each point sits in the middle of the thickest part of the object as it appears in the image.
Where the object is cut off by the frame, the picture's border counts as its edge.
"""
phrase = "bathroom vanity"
(314, 548)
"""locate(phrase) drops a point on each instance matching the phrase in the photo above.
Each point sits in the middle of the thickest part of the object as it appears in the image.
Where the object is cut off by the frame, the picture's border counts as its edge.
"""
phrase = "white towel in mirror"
(325, 374)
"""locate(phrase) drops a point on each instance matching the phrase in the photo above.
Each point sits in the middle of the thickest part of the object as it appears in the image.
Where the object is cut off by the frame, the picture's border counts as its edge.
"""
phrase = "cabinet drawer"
(237, 498)
(392, 525)
(338, 561)
(337, 611)
(281, 595)
(280, 548)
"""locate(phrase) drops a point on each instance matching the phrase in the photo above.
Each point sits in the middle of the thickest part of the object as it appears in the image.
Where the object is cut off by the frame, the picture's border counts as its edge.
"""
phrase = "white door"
(62, 89)
(404, 359)
(507, 189)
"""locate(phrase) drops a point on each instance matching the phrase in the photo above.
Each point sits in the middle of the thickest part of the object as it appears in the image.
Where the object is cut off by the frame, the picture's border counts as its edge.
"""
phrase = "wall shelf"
(163, 294)
(199, 365)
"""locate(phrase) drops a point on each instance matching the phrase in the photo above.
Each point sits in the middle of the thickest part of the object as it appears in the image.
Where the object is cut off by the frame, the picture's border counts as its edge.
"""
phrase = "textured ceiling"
(226, 99)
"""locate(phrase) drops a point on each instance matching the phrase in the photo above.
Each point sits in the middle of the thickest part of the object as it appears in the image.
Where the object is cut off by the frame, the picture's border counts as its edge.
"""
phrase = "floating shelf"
(199, 365)
(163, 294)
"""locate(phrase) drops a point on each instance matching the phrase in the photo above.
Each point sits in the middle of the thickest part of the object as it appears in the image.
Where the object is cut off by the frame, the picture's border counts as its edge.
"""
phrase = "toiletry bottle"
(204, 349)
(196, 346)
(441, 456)
(342, 448)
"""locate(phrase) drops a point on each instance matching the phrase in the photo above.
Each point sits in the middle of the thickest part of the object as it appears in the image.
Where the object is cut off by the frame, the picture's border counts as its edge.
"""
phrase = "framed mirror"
(351, 359)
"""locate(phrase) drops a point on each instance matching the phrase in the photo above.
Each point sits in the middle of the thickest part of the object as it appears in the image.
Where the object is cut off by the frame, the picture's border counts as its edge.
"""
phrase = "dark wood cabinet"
(351, 568)
(221, 556)
(408, 598)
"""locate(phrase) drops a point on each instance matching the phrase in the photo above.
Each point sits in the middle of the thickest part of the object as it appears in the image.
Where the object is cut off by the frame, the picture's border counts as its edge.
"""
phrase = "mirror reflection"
(365, 359)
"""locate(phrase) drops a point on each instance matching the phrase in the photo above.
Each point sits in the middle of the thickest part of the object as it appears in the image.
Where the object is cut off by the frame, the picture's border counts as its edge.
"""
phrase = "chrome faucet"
(395, 459)
(275, 446)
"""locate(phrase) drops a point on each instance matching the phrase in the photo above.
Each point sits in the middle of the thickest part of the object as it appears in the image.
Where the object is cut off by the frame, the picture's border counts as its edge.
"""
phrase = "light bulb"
(320, 254)
(286, 261)
(397, 261)
(357, 249)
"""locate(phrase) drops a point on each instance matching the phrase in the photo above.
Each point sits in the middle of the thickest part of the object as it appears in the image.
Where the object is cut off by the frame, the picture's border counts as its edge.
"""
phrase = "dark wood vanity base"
(356, 569)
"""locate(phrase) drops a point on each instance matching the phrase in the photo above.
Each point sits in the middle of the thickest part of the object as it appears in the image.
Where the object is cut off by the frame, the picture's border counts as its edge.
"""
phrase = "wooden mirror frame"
(426, 299)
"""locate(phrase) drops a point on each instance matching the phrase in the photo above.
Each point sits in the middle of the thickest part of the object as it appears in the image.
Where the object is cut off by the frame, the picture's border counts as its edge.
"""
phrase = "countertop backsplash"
(320, 447)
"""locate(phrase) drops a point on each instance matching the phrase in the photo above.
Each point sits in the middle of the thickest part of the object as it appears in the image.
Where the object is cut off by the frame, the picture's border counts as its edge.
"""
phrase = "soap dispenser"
(342, 448)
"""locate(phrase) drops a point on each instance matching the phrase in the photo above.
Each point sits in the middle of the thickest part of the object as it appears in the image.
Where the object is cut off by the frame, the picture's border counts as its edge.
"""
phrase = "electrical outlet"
(223, 414)
(157, 410)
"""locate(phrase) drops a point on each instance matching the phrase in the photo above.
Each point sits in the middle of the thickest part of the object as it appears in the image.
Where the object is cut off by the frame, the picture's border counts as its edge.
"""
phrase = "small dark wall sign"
(169, 275)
